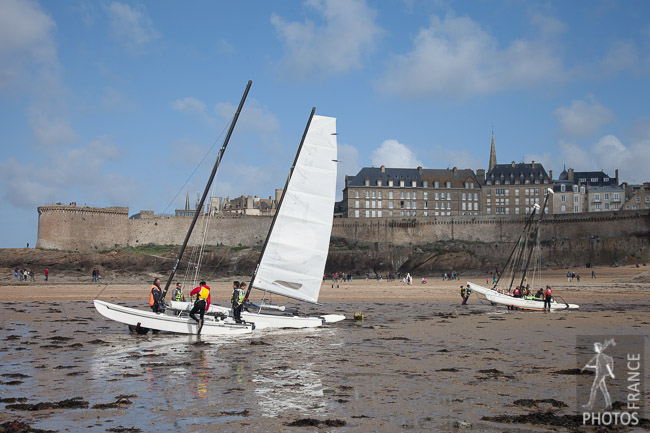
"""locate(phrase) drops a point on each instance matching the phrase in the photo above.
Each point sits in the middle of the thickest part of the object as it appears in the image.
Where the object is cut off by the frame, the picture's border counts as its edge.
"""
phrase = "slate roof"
(409, 174)
(522, 171)
(588, 175)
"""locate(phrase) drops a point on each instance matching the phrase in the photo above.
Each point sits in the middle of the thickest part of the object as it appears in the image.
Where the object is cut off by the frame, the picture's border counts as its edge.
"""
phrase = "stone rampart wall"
(88, 229)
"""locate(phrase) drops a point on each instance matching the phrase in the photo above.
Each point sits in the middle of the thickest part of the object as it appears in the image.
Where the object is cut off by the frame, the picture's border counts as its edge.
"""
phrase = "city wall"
(599, 237)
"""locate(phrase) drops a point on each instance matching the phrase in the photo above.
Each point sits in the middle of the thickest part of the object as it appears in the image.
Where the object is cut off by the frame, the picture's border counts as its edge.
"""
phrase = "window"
(379, 204)
(516, 202)
(356, 194)
(575, 199)
(415, 195)
(563, 199)
(401, 183)
(594, 180)
(563, 208)
(464, 196)
(616, 196)
(575, 209)
(401, 194)
(413, 183)
(488, 192)
(374, 194)
(390, 195)
(448, 196)
(414, 205)
(562, 188)
(475, 206)
(597, 207)
(408, 205)
(475, 196)
(447, 184)
(401, 213)
(367, 214)
(374, 214)
(489, 211)
(426, 195)
(390, 182)
(379, 194)
(379, 213)
(390, 213)
(606, 206)
(436, 184)
(401, 204)
(575, 188)
(448, 205)
(426, 213)
(605, 179)
(606, 196)
(367, 194)
(464, 206)
(390, 205)
(436, 205)
(425, 184)
(597, 197)
(356, 204)
(378, 182)
(374, 203)
(637, 199)
(356, 214)
(426, 205)
(367, 182)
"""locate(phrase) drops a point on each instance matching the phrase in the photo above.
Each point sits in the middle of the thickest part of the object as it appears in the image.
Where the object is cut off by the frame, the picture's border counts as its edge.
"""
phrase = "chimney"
(616, 176)
(455, 170)
(570, 175)
(420, 169)
(532, 164)
(513, 164)
(480, 174)
(346, 180)
(383, 169)
(550, 174)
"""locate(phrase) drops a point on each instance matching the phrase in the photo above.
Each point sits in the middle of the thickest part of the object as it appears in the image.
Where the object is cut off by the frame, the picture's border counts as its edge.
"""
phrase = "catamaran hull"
(526, 304)
(268, 320)
(163, 322)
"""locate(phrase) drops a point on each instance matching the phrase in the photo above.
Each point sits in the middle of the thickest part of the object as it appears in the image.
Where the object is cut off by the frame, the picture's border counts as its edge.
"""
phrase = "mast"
(277, 211)
(199, 208)
(505, 266)
(536, 238)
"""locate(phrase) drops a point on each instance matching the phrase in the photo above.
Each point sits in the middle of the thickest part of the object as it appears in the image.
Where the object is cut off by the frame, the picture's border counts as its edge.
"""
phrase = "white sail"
(296, 251)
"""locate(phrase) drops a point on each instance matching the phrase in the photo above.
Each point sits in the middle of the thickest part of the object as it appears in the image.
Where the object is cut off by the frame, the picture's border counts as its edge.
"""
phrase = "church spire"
(187, 200)
(493, 155)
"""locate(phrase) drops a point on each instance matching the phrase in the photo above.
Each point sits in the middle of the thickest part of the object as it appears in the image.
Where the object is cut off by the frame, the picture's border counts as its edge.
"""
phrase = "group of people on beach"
(27, 275)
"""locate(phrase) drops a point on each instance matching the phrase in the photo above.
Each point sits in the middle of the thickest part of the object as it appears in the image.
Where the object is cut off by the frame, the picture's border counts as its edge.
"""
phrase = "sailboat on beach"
(293, 256)
(521, 268)
(142, 321)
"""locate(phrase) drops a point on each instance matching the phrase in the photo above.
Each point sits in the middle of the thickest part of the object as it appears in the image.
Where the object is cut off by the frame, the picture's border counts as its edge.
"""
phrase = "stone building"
(637, 197)
(587, 191)
(513, 189)
(569, 197)
(410, 192)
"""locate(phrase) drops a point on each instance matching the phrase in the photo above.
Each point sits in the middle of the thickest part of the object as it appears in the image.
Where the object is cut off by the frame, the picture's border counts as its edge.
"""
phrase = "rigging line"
(217, 140)
(100, 292)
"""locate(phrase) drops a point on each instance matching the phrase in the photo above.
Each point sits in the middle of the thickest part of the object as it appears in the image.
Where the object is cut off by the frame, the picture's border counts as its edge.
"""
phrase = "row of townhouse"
(506, 189)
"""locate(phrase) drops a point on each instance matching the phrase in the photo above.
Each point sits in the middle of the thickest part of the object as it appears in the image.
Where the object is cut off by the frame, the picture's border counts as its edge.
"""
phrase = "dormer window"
(425, 183)
(401, 183)
(414, 183)
(378, 182)
(390, 182)
(367, 182)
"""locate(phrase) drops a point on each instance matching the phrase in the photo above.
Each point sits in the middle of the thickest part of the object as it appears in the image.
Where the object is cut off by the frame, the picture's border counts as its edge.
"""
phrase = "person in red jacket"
(548, 296)
(202, 303)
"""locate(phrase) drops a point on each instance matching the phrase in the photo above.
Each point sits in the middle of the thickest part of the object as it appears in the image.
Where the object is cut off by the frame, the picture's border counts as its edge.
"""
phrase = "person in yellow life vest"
(237, 300)
(177, 293)
(202, 303)
(155, 297)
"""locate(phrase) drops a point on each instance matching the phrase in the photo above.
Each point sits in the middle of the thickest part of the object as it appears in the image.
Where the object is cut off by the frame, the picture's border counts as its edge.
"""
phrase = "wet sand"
(417, 362)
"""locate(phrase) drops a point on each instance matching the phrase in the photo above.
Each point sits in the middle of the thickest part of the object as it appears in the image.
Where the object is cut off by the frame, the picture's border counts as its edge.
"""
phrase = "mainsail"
(293, 259)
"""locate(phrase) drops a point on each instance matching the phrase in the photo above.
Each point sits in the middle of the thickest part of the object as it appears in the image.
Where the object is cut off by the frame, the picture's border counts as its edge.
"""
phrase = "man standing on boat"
(547, 297)
(155, 295)
(177, 293)
(202, 293)
(237, 300)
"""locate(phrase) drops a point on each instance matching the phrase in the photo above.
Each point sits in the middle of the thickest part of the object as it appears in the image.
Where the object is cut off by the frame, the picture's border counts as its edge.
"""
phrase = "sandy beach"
(417, 362)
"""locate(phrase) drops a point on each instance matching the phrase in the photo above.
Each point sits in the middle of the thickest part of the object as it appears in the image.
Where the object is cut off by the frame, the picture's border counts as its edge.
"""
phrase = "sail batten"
(294, 257)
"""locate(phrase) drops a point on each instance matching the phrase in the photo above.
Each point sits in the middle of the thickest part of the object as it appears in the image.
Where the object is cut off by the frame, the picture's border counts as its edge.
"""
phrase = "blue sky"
(115, 103)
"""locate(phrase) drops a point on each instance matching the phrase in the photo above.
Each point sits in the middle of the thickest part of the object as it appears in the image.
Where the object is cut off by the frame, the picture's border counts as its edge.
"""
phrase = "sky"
(126, 103)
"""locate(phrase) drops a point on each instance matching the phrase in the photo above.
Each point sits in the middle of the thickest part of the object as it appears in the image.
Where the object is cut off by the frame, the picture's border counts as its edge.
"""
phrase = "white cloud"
(254, 117)
(347, 35)
(348, 157)
(583, 117)
(455, 57)
(622, 56)
(27, 46)
(610, 153)
(131, 26)
(444, 157)
(77, 173)
(392, 153)
(50, 130)
(189, 105)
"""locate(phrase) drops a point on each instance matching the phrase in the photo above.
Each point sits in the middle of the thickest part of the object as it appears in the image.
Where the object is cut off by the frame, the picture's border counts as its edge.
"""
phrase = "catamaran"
(524, 257)
(294, 253)
(141, 321)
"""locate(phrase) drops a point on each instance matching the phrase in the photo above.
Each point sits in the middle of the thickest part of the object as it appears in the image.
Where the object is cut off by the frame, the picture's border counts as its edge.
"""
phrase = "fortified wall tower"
(82, 228)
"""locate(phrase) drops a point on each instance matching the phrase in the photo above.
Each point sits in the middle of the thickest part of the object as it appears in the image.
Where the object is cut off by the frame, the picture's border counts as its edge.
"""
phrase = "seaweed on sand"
(70, 403)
